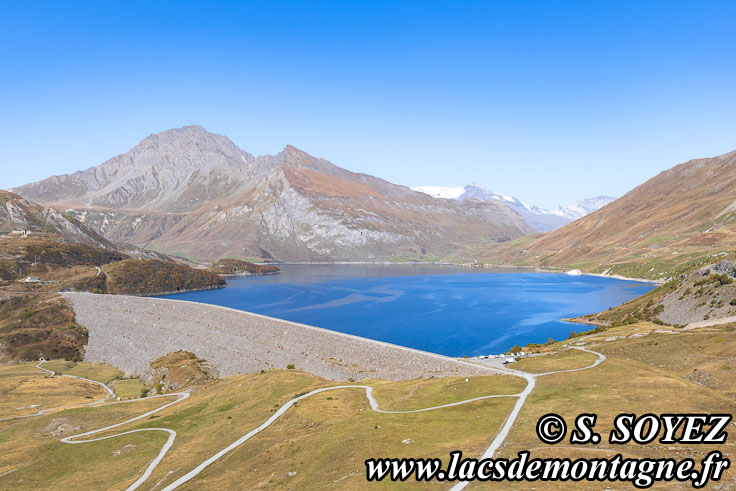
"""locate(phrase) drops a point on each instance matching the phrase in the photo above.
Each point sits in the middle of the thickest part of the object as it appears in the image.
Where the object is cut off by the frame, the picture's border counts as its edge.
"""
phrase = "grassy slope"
(324, 440)
(34, 325)
(649, 374)
(23, 386)
(335, 428)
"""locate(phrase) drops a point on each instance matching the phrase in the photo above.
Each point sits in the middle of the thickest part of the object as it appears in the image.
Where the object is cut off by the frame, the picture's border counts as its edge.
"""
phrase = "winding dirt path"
(42, 412)
(497, 441)
(180, 396)
(523, 395)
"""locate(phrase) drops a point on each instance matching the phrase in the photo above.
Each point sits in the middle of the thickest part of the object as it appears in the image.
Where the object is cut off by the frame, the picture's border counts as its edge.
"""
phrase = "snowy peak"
(583, 207)
(540, 219)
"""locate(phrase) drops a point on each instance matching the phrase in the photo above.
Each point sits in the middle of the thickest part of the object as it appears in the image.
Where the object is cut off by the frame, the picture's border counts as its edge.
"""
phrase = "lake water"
(443, 309)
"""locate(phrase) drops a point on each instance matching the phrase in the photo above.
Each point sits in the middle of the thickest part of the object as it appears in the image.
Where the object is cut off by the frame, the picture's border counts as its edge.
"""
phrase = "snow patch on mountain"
(583, 207)
(540, 219)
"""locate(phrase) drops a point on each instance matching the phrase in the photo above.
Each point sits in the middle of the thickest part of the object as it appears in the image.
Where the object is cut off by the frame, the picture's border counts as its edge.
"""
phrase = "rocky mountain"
(193, 193)
(18, 215)
(539, 219)
(683, 218)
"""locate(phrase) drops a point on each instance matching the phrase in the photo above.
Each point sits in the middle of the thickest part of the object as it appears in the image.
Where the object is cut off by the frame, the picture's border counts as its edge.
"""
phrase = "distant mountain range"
(189, 192)
(539, 219)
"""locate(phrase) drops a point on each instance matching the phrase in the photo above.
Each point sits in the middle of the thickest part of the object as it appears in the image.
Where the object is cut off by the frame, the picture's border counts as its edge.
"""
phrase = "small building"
(509, 360)
(31, 279)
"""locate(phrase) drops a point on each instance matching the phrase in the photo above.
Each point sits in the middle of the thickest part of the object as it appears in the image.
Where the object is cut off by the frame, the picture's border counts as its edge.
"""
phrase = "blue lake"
(443, 309)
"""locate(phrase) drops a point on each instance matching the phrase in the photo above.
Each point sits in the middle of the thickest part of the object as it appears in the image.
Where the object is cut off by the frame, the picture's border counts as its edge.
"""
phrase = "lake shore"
(535, 269)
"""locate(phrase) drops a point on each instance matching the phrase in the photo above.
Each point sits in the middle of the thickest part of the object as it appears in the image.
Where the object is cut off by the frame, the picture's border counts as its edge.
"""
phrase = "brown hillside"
(670, 224)
(149, 276)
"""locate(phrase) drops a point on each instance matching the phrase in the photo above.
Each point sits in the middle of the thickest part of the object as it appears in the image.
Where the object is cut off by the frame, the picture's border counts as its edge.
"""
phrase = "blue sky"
(547, 101)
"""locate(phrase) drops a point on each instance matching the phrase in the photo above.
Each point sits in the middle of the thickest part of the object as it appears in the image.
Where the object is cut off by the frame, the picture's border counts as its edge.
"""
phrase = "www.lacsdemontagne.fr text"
(642, 473)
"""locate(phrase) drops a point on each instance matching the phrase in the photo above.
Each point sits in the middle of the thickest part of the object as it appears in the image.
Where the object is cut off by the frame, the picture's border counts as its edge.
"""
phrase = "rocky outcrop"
(726, 267)
(709, 293)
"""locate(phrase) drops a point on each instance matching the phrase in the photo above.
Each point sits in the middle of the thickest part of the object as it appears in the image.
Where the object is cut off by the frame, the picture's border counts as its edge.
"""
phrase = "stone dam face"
(130, 332)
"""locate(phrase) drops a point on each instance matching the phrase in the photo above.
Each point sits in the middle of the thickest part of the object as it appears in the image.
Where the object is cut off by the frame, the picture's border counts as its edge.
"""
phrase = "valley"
(307, 246)
(211, 396)
(539, 219)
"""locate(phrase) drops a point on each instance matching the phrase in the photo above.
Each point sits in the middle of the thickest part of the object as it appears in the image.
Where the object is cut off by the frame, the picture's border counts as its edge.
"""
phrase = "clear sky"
(549, 101)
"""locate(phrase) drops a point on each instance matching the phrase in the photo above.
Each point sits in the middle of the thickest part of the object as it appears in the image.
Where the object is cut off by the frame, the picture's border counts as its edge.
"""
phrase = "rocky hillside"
(705, 294)
(675, 222)
(56, 253)
(20, 215)
(189, 192)
(35, 321)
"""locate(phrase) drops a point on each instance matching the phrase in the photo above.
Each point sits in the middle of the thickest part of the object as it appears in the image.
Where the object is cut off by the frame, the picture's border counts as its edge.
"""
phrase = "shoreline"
(626, 278)
(174, 292)
(536, 269)
(244, 274)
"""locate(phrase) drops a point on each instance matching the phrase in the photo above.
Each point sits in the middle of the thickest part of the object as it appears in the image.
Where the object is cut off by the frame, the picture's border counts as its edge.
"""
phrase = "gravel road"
(131, 332)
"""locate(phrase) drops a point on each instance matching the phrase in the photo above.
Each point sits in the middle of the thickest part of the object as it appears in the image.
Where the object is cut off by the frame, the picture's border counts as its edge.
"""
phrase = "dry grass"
(26, 390)
(325, 439)
(93, 371)
(407, 395)
(671, 224)
(335, 431)
(564, 360)
(648, 374)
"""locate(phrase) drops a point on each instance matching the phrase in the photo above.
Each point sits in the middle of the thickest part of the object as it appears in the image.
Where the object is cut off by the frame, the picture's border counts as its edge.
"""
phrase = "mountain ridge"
(189, 192)
(538, 218)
